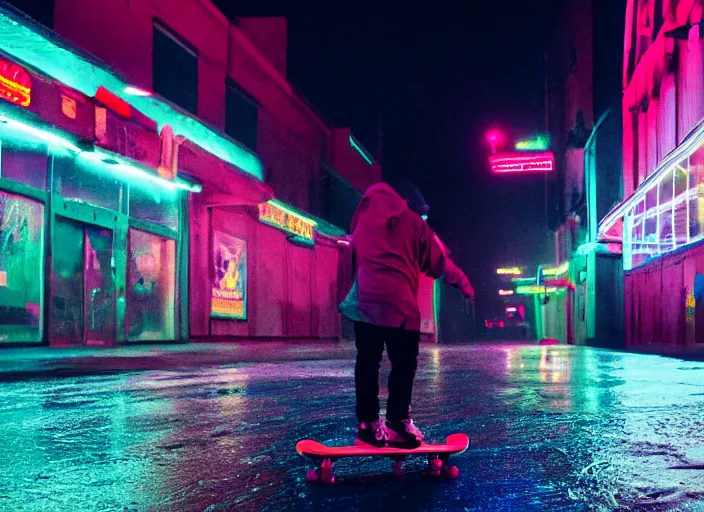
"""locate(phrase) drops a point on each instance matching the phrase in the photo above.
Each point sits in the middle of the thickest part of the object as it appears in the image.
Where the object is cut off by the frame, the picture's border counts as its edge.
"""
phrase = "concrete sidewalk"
(24, 363)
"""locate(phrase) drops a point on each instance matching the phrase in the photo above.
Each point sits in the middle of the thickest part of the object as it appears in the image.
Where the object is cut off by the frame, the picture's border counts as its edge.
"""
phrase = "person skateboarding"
(392, 246)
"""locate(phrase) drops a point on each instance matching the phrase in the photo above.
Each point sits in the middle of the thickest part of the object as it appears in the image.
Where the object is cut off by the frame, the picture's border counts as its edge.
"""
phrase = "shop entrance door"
(82, 285)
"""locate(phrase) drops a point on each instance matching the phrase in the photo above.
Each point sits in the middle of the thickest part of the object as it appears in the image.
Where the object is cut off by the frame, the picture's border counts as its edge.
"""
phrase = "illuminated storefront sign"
(556, 271)
(522, 162)
(539, 143)
(15, 84)
(506, 293)
(535, 290)
(512, 271)
(277, 215)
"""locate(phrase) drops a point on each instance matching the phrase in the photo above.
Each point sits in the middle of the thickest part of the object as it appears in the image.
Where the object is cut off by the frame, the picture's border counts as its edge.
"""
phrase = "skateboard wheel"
(436, 464)
(313, 475)
(397, 467)
(326, 474)
(452, 472)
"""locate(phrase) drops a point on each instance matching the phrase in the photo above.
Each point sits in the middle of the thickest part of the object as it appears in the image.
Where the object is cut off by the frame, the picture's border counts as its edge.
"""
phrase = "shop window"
(158, 206)
(241, 117)
(151, 287)
(24, 162)
(175, 69)
(665, 214)
(21, 268)
(696, 194)
(638, 253)
(681, 182)
(650, 223)
(86, 181)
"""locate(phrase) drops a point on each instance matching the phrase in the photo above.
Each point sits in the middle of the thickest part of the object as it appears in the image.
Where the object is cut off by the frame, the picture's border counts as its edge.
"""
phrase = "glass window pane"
(680, 199)
(21, 268)
(156, 205)
(24, 162)
(650, 223)
(151, 287)
(241, 117)
(66, 309)
(175, 69)
(638, 248)
(666, 235)
(696, 200)
(82, 180)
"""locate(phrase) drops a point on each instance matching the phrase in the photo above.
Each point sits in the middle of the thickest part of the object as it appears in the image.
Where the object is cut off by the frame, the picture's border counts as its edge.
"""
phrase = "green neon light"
(539, 143)
(288, 210)
(523, 280)
(534, 290)
(45, 51)
(53, 140)
(360, 150)
(436, 307)
(557, 271)
(112, 162)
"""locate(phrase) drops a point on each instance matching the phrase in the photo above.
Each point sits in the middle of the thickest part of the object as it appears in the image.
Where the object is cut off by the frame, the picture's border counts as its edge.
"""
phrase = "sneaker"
(374, 433)
(404, 433)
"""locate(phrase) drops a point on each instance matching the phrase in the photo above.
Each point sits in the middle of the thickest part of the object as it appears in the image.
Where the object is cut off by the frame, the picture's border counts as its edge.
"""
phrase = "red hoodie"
(393, 245)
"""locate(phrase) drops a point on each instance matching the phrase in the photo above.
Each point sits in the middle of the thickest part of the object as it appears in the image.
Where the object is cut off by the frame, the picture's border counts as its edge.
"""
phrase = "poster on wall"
(229, 287)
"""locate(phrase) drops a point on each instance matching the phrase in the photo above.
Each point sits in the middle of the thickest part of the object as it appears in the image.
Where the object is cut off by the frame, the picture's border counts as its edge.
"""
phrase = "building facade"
(659, 222)
(172, 156)
(585, 123)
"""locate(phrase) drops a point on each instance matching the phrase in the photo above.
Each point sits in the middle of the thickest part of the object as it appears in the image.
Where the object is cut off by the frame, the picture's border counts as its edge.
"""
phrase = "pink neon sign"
(522, 162)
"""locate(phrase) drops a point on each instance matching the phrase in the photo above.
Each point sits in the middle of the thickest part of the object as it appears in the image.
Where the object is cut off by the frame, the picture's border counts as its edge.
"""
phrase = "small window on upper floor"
(175, 67)
(40, 10)
(241, 116)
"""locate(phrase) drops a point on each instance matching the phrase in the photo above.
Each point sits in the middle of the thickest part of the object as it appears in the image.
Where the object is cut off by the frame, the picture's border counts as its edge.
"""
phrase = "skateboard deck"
(438, 455)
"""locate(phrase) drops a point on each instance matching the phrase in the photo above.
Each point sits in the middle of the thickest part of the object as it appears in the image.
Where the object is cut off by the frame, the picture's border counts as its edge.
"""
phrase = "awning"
(611, 226)
(31, 43)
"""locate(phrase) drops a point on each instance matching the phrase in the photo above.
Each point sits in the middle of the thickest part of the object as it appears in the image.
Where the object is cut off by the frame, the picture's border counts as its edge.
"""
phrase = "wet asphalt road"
(552, 428)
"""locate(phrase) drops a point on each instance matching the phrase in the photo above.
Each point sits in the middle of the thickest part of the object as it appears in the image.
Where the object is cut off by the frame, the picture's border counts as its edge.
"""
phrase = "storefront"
(662, 228)
(92, 236)
(268, 271)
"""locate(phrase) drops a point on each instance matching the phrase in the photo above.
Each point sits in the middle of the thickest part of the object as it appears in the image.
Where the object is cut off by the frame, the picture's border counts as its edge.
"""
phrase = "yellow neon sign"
(511, 271)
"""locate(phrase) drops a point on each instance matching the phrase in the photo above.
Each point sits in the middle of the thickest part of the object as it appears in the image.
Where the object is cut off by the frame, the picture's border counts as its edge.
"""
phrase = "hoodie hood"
(381, 203)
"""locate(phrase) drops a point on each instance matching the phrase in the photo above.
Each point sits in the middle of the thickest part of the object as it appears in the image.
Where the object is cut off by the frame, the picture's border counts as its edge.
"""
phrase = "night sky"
(438, 77)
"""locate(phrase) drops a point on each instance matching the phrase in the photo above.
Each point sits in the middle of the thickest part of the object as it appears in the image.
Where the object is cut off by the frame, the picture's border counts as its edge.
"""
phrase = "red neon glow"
(494, 138)
(522, 162)
(494, 323)
(15, 84)
(561, 283)
(113, 102)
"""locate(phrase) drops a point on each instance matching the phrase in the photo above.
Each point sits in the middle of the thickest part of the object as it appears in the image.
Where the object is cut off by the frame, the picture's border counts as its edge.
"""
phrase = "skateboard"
(438, 455)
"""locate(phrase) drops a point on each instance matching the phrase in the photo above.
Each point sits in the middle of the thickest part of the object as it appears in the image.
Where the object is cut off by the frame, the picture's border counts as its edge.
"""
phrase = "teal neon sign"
(538, 143)
(361, 150)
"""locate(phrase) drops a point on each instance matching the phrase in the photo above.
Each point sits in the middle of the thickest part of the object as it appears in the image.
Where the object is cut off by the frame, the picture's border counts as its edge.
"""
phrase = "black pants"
(402, 348)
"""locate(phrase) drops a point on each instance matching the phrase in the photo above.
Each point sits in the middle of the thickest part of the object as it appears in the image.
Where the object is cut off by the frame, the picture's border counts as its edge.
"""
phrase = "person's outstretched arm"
(435, 262)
